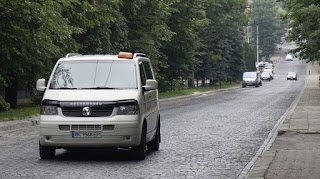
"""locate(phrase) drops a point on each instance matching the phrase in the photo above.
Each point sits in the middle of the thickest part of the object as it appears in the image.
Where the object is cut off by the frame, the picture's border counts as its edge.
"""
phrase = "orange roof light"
(125, 55)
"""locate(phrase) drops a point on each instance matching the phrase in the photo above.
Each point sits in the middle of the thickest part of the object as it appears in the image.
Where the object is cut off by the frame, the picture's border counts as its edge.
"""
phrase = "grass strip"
(188, 91)
(19, 113)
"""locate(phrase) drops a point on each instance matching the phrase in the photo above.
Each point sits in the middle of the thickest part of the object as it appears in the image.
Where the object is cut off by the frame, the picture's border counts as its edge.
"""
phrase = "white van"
(100, 101)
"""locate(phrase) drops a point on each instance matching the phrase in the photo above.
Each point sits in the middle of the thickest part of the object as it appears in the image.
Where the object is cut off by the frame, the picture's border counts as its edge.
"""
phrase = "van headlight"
(128, 110)
(49, 110)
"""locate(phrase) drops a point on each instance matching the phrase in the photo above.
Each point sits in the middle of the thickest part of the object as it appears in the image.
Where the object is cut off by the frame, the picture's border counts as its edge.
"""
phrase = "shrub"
(4, 106)
(37, 97)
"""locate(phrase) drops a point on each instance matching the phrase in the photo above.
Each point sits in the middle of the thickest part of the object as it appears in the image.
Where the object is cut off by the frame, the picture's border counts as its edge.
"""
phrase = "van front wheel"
(47, 152)
(154, 144)
(140, 151)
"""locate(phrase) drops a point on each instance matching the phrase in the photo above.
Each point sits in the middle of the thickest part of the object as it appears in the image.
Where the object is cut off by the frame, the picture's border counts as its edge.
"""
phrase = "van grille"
(97, 111)
(86, 127)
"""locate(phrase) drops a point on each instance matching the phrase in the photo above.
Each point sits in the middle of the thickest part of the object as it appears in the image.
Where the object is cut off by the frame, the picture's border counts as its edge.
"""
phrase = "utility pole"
(257, 44)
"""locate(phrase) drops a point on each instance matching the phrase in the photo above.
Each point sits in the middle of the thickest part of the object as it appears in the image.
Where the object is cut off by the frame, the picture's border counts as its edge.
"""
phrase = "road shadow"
(97, 155)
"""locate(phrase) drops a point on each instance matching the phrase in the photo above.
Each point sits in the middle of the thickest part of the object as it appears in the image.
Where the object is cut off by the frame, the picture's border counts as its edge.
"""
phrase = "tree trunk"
(203, 82)
(190, 83)
(11, 94)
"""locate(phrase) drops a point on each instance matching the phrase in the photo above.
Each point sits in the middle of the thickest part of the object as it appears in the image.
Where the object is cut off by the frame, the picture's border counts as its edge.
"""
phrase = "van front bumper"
(116, 131)
(249, 83)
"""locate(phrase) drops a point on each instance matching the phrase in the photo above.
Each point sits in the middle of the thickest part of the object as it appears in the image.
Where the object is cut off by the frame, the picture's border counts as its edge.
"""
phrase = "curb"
(260, 163)
(198, 94)
(19, 124)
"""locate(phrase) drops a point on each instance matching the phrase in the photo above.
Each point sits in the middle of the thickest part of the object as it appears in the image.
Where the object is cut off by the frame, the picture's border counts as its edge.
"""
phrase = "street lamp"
(257, 44)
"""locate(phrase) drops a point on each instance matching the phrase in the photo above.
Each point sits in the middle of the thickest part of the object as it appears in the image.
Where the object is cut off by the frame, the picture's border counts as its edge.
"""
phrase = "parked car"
(292, 76)
(251, 79)
(266, 75)
(100, 101)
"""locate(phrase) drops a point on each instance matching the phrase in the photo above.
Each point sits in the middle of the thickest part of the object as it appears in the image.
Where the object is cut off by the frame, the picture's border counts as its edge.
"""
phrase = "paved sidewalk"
(295, 152)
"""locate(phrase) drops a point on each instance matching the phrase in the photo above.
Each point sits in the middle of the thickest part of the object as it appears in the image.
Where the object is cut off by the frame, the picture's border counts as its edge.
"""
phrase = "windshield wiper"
(64, 88)
(99, 87)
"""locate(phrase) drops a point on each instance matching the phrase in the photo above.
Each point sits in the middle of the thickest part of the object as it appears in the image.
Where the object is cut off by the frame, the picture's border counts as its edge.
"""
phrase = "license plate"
(86, 134)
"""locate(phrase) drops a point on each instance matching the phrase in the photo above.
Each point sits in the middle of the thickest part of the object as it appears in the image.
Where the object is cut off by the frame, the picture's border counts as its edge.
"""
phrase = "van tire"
(46, 152)
(154, 144)
(140, 151)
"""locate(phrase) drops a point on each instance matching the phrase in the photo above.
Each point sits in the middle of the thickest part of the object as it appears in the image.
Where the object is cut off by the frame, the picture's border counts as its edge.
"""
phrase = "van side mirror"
(41, 84)
(151, 85)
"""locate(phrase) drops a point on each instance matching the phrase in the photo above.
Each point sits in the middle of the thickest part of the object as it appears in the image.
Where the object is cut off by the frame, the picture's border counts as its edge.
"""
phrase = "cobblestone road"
(211, 136)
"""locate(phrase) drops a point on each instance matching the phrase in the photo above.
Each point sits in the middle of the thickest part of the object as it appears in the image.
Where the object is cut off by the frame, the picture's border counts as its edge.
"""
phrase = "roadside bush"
(37, 97)
(4, 106)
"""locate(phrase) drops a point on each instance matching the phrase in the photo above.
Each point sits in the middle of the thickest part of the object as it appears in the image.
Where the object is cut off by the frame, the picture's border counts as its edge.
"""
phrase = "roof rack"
(139, 55)
(72, 54)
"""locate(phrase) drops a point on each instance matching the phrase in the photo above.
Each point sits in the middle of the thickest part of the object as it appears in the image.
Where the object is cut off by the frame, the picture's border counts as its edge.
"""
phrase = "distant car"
(266, 75)
(251, 79)
(269, 61)
(292, 76)
(270, 70)
(289, 57)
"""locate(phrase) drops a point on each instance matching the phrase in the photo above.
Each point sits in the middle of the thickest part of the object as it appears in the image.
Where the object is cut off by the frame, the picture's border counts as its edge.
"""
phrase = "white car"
(266, 76)
(289, 57)
(100, 101)
(292, 76)
(269, 70)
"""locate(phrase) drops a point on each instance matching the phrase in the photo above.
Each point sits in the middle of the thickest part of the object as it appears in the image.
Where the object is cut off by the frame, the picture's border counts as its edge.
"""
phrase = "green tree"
(304, 16)
(104, 28)
(31, 33)
(185, 21)
(222, 56)
(148, 30)
(265, 14)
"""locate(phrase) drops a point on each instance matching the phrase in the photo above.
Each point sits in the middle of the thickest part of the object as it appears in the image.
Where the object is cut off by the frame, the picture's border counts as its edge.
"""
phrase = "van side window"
(142, 74)
(147, 69)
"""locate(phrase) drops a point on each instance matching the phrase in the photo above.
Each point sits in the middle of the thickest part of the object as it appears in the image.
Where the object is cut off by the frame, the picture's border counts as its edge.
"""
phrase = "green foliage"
(185, 21)
(188, 39)
(249, 58)
(4, 106)
(221, 57)
(148, 30)
(19, 113)
(265, 14)
(304, 16)
(181, 91)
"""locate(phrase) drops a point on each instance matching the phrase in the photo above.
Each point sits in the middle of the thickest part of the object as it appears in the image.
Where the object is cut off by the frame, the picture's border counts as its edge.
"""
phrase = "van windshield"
(249, 75)
(94, 74)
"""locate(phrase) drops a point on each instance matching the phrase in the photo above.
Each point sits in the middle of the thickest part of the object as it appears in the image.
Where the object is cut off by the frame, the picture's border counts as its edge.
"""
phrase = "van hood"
(91, 95)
